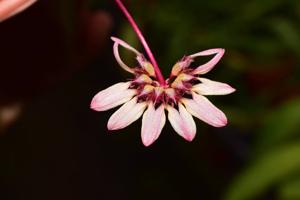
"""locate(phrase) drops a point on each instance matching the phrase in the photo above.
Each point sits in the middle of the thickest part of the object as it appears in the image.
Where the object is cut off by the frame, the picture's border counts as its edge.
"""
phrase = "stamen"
(143, 79)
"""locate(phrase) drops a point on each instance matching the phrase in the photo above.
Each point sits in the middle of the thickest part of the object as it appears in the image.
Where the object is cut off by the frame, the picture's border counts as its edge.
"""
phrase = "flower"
(8, 8)
(182, 96)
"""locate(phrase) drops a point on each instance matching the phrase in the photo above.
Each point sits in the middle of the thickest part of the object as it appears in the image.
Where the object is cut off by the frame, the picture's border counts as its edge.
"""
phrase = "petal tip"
(220, 52)
(229, 89)
(147, 143)
(222, 123)
(94, 105)
(189, 139)
(114, 38)
(111, 127)
(232, 89)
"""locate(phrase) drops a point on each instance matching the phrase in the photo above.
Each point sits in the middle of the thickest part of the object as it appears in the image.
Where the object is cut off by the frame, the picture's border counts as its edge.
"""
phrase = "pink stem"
(143, 41)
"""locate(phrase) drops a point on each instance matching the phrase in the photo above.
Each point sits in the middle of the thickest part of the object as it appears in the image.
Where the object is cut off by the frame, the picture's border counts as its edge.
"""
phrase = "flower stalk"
(136, 29)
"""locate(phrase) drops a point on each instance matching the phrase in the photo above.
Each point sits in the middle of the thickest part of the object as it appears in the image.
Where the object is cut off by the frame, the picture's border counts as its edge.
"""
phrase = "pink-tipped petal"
(152, 124)
(182, 122)
(209, 87)
(202, 69)
(9, 8)
(117, 54)
(113, 96)
(203, 109)
(126, 114)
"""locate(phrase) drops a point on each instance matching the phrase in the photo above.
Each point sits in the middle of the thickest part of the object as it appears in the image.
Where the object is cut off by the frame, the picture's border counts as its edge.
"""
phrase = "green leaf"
(280, 125)
(290, 190)
(265, 172)
(256, 8)
(288, 32)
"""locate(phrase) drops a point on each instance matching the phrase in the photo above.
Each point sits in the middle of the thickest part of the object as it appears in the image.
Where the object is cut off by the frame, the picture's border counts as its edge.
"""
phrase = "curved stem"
(143, 41)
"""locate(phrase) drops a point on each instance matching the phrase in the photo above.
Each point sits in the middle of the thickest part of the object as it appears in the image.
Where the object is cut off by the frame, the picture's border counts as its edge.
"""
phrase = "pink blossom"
(9, 8)
(148, 94)
(182, 95)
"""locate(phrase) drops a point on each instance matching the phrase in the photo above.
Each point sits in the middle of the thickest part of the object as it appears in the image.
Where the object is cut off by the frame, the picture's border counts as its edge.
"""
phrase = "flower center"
(178, 86)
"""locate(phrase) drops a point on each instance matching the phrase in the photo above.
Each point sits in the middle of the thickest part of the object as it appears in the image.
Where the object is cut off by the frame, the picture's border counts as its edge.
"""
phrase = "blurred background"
(57, 55)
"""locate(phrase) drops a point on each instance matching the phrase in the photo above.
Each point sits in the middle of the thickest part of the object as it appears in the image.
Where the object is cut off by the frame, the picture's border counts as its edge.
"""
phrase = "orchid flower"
(9, 8)
(148, 95)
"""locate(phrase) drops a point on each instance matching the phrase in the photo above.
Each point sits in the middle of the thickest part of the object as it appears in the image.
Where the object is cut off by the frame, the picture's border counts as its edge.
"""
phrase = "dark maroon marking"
(187, 95)
(195, 81)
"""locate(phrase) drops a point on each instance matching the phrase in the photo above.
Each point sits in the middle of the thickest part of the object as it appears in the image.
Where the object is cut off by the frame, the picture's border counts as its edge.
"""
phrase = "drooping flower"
(9, 8)
(148, 95)
(183, 96)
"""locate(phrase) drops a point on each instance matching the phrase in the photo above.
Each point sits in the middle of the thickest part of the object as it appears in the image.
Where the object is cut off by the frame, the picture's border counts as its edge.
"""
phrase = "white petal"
(113, 96)
(152, 124)
(203, 109)
(126, 114)
(117, 54)
(9, 8)
(202, 69)
(209, 87)
(182, 122)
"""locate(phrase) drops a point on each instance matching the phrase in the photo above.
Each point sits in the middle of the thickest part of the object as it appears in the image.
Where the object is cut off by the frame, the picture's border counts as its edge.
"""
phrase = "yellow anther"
(178, 82)
(144, 79)
(184, 77)
(149, 68)
(170, 92)
(176, 69)
(147, 89)
(159, 91)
